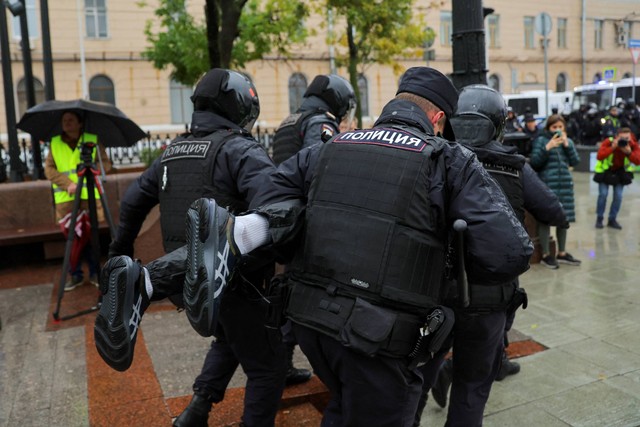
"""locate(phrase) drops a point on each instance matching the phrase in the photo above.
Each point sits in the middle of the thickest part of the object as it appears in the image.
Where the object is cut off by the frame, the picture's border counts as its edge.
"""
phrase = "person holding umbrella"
(60, 168)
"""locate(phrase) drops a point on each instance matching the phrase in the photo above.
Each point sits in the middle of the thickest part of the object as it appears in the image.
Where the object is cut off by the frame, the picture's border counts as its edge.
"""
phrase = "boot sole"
(202, 288)
(114, 339)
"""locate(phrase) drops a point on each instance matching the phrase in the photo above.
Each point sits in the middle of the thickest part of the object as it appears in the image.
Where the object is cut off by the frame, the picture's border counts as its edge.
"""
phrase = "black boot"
(508, 368)
(294, 375)
(196, 414)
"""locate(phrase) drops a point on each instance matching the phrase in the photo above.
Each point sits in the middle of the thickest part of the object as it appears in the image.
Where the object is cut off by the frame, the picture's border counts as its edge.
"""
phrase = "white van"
(533, 101)
(605, 94)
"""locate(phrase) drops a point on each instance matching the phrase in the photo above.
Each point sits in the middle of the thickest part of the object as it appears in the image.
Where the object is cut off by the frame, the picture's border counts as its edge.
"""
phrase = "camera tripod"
(87, 173)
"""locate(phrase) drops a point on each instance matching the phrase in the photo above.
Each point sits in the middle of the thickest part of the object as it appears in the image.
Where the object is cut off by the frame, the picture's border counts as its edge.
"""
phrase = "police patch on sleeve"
(327, 130)
(186, 150)
(382, 136)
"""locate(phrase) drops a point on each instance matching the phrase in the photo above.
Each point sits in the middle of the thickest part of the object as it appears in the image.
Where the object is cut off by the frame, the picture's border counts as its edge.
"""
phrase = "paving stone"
(594, 405)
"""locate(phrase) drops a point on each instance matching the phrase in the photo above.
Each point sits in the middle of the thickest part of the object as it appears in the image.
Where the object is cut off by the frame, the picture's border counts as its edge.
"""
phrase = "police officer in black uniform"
(479, 124)
(327, 101)
(218, 159)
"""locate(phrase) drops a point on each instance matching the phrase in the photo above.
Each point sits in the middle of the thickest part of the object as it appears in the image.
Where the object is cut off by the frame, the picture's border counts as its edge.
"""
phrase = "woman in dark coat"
(551, 156)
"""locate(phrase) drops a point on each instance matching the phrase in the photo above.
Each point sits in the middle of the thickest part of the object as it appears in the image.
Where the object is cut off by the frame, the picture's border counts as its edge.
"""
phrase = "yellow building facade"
(587, 37)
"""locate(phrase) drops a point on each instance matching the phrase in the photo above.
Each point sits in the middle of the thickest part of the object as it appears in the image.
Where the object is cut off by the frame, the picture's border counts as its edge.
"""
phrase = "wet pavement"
(578, 344)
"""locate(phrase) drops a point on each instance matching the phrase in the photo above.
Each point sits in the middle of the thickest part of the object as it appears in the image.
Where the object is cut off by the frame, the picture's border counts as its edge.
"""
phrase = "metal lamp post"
(18, 8)
(16, 171)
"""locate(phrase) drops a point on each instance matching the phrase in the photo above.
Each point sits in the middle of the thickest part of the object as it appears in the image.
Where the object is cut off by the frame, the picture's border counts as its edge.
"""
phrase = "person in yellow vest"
(615, 156)
(60, 168)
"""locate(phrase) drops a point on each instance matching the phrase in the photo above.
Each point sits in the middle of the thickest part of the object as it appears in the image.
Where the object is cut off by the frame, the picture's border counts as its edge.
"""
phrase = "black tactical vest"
(370, 232)
(509, 176)
(289, 138)
(187, 175)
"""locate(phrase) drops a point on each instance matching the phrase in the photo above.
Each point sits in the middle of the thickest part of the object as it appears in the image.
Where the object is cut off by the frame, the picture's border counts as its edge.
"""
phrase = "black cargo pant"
(478, 343)
(365, 391)
(242, 339)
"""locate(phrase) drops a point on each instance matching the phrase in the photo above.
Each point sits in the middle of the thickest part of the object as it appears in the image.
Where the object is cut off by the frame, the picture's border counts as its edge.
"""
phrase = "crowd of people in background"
(586, 126)
(550, 148)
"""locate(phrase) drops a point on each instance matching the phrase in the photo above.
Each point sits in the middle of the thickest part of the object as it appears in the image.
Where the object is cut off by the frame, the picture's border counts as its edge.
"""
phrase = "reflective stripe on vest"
(67, 161)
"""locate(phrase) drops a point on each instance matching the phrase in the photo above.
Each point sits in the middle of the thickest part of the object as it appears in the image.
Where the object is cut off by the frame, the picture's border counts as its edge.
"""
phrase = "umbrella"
(113, 127)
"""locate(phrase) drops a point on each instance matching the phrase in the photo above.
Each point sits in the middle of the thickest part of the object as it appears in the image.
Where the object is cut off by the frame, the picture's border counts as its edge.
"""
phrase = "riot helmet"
(229, 94)
(485, 102)
(336, 91)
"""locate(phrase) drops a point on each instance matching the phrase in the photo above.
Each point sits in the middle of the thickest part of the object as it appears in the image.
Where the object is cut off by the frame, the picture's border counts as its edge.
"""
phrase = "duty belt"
(491, 297)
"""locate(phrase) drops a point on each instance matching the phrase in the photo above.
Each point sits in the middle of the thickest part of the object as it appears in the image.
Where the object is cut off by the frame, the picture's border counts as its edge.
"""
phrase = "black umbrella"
(113, 127)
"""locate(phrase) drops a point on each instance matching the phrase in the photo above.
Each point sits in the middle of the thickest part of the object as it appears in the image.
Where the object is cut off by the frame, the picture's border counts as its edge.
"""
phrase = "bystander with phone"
(552, 154)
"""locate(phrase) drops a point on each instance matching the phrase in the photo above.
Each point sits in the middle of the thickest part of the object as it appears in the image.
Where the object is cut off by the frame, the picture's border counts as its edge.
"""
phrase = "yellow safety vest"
(67, 161)
(603, 165)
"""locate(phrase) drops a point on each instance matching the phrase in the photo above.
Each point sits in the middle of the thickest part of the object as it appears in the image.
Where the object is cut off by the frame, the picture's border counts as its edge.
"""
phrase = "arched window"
(363, 88)
(180, 102)
(297, 87)
(38, 89)
(561, 83)
(494, 82)
(101, 89)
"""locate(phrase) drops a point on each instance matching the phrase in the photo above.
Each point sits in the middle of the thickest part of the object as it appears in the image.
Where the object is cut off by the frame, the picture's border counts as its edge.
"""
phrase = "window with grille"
(95, 13)
(180, 102)
(562, 33)
(493, 31)
(101, 89)
(297, 88)
(529, 40)
(33, 23)
(445, 28)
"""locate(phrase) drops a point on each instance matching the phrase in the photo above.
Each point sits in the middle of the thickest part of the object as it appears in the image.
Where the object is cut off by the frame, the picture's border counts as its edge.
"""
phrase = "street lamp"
(18, 8)
(10, 108)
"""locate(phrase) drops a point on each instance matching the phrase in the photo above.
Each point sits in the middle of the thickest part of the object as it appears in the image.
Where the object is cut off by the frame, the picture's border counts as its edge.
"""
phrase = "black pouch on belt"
(437, 327)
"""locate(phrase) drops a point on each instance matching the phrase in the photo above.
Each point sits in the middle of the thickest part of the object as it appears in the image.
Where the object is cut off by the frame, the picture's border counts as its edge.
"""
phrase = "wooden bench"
(27, 213)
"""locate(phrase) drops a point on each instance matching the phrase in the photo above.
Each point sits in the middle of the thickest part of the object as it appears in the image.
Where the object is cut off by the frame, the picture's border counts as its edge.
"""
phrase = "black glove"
(118, 248)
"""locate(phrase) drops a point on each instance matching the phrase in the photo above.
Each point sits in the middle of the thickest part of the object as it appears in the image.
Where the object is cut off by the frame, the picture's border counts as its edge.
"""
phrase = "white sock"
(147, 282)
(250, 231)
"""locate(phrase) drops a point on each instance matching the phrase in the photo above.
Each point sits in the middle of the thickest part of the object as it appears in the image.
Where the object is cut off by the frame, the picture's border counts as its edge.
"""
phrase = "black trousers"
(242, 339)
(365, 391)
(478, 343)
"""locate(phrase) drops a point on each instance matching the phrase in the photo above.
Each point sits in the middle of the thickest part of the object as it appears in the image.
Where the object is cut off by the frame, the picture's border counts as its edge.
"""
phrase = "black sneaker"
(508, 368)
(440, 390)
(549, 262)
(123, 304)
(211, 258)
(599, 223)
(294, 375)
(567, 258)
(196, 414)
(614, 224)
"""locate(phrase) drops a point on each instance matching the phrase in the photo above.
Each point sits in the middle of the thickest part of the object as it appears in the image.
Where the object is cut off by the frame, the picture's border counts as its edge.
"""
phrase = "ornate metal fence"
(134, 156)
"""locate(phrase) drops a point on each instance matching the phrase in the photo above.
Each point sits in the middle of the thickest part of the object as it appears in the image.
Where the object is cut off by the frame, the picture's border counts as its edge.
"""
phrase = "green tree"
(381, 32)
(232, 33)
